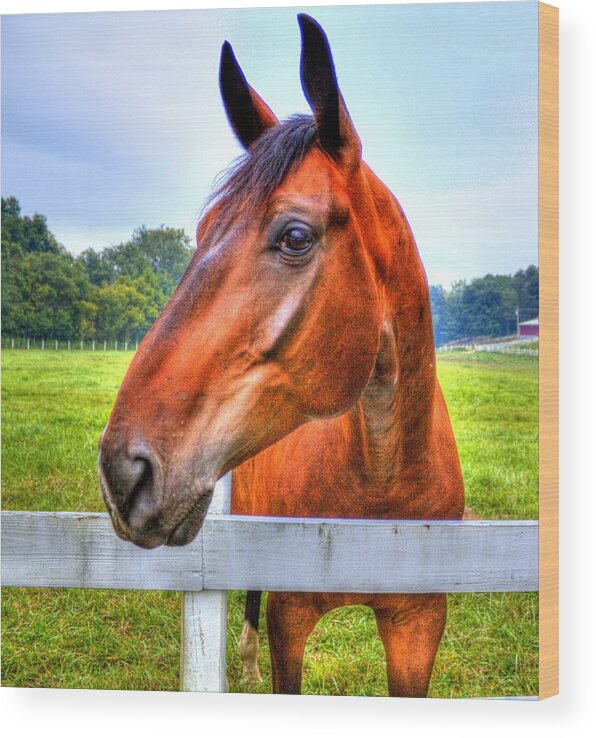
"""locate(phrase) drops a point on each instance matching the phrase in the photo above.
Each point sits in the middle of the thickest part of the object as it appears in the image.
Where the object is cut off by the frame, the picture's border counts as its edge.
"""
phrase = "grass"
(55, 405)
(493, 404)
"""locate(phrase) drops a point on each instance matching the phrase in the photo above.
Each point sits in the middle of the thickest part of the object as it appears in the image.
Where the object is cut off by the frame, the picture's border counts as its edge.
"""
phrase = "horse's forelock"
(256, 175)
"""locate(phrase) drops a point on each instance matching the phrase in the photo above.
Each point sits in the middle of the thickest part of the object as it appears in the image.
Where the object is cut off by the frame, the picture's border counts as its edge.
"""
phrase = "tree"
(168, 251)
(13, 292)
(122, 311)
(438, 302)
(45, 291)
(12, 223)
(163, 251)
(37, 237)
(57, 297)
(114, 294)
(526, 285)
(99, 269)
(484, 307)
(454, 324)
(488, 308)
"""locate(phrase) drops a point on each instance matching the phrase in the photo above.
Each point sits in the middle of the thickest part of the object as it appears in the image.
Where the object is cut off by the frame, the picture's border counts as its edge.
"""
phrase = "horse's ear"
(336, 131)
(248, 114)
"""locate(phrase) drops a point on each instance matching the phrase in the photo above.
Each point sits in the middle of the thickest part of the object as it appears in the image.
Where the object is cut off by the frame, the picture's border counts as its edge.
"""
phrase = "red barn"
(528, 328)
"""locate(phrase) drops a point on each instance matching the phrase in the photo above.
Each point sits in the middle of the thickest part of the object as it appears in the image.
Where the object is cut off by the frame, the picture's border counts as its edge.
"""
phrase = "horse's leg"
(291, 618)
(411, 635)
(248, 646)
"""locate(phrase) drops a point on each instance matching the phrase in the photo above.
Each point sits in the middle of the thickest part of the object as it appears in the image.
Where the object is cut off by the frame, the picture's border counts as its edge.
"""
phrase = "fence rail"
(275, 554)
(42, 549)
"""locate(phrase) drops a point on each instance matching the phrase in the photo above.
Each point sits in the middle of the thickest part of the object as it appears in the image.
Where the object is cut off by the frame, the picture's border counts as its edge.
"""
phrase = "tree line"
(112, 294)
(117, 293)
(489, 306)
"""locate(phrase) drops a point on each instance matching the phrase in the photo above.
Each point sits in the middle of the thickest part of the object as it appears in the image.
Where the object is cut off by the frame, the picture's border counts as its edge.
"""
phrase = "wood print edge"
(548, 235)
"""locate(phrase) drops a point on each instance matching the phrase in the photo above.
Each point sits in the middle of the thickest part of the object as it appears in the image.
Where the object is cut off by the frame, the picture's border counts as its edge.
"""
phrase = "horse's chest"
(303, 489)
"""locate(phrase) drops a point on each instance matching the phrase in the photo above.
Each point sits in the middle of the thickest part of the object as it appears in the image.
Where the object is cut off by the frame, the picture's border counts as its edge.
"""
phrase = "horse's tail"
(249, 638)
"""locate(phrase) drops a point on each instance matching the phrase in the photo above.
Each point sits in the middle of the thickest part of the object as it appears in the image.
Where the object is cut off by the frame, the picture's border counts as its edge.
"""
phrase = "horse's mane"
(256, 174)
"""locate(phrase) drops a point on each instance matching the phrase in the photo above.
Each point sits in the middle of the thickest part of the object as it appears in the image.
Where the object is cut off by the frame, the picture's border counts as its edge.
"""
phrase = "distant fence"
(492, 347)
(42, 549)
(79, 344)
(53, 344)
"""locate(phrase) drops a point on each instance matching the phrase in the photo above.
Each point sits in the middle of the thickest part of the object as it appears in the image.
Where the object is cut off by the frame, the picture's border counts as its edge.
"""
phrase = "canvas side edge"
(548, 235)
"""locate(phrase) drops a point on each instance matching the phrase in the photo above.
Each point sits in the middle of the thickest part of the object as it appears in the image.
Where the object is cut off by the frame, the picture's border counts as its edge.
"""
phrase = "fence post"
(81, 345)
(115, 345)
(93, 345)
(12, 343)
(69, 344)
(105, 345)
(27, 343)
(204, 615)
(136, 345)
(56, 345)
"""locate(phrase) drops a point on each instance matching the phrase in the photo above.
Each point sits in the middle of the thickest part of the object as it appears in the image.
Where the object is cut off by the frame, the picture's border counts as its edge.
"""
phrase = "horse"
(298, 351)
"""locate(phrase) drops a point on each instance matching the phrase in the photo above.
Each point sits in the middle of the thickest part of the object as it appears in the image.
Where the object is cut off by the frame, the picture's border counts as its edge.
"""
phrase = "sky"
(114, 120)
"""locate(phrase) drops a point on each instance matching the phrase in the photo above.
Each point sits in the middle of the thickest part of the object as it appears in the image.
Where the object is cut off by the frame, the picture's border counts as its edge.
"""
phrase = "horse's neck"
(393, 421)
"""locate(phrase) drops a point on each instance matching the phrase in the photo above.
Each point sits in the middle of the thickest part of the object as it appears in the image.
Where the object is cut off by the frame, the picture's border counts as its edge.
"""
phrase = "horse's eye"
(296, 240)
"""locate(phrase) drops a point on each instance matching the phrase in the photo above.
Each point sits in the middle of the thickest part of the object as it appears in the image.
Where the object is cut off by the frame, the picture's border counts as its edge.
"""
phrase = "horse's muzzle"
(132, 485)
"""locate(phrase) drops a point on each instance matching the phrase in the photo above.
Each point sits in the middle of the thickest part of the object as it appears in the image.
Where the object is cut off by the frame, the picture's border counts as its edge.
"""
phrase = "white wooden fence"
(43, 549)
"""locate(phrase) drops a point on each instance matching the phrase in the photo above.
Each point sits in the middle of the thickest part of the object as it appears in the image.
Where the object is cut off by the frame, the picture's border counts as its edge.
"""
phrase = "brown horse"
(297, 350)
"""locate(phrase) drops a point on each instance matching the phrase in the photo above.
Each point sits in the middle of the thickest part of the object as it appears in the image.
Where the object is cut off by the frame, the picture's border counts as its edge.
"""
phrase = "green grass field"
(55, 405)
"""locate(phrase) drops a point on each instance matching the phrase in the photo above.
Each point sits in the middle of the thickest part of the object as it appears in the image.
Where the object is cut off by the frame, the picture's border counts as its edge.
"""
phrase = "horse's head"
(276, 321)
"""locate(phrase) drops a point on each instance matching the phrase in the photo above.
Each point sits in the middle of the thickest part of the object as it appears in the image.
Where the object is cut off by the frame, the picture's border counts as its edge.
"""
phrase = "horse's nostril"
(133, 485)
(142, 502)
